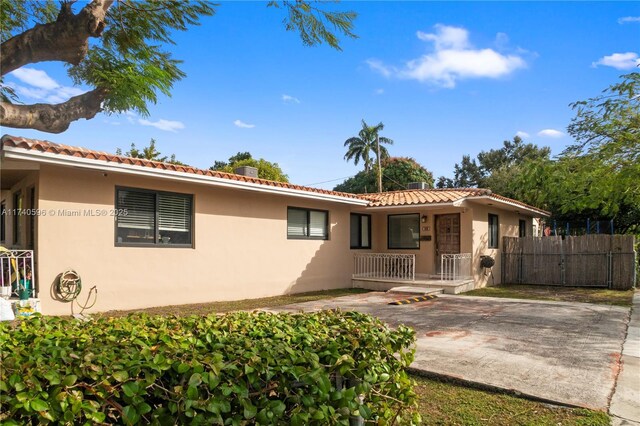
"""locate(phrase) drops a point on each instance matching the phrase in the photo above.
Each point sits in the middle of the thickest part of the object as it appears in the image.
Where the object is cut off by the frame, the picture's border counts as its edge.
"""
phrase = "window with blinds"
(153, 218)
(307, 224)
(403, 231)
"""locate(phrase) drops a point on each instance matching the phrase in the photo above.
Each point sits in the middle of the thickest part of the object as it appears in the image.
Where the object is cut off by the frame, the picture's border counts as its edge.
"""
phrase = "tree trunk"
(52, 118)
(65, 40)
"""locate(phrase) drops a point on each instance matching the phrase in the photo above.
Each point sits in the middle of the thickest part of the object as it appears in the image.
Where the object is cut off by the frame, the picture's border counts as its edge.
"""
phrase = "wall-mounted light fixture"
(424, 218)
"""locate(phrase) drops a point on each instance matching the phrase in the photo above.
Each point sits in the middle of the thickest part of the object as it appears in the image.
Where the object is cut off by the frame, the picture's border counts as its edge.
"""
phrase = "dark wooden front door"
(447, 235)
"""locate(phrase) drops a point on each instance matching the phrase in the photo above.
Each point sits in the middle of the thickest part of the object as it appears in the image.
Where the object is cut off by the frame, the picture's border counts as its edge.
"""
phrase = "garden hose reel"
(69, 285)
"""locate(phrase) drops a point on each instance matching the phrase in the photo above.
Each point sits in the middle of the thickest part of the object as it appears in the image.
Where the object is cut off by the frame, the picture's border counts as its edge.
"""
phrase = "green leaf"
(39, 405)
(53, 377)
(121, 375)
(195, 379)
(130, 415)
(130, 388)
(249, 409)
(69, 380)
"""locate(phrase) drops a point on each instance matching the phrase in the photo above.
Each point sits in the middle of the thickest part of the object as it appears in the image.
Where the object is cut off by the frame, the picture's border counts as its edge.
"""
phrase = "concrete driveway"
(563, 352)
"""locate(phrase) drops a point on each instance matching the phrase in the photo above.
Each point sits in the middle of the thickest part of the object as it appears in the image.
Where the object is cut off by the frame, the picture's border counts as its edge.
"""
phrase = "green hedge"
(239, 368)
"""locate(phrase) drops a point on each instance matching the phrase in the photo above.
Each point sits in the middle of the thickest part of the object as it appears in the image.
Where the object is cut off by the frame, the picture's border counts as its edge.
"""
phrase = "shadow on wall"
(485, 276)
(331, 267)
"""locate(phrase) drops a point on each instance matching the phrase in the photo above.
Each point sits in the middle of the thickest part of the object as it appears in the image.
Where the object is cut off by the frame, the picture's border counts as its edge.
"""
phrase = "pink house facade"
(146, 233)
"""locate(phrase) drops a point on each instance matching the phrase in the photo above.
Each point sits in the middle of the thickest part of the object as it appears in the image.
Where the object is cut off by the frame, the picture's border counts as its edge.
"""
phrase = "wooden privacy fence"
(581, 261)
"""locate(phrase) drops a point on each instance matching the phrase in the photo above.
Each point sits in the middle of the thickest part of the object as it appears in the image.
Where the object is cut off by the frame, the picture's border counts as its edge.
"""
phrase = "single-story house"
(147, 233)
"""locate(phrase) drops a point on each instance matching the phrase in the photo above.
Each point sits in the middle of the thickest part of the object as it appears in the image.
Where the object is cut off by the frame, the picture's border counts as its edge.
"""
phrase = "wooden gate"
(583, 261)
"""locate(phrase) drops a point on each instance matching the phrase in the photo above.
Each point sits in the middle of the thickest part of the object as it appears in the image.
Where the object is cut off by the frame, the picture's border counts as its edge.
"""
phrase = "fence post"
(520, 267)
(609, 269)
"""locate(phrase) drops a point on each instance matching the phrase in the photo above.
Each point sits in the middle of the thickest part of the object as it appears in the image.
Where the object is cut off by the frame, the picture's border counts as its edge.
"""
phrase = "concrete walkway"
(569, 353)
(625, 403)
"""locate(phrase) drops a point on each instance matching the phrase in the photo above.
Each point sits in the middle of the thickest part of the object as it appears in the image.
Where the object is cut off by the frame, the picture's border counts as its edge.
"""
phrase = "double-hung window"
(153, 218)
(307, 224)
(360, 231)
(494, 231)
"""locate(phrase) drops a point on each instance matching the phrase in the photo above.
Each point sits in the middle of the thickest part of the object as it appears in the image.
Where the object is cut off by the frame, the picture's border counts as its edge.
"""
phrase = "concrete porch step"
(422, 291)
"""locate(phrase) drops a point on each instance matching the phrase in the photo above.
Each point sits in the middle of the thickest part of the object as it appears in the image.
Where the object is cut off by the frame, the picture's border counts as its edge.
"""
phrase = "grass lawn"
(560, 294)
(238, 305)
(443, 403)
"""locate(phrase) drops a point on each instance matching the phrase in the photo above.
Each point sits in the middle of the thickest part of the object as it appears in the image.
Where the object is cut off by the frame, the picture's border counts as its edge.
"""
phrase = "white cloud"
(379, 91)
(447, 37)
(550, 133)
(377, 65)
(166, 125)
(522, 135)
(41, 87)
(453, 59)
(290, 99)
(619, 61)
(35, 78)
(243, 125)
(628, 19)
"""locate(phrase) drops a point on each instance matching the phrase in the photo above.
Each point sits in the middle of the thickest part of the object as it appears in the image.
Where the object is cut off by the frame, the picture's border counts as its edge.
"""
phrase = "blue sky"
(445, 78)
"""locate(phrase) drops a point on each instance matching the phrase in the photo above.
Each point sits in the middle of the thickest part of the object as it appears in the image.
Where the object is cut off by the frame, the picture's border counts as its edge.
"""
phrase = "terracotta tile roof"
(384, 199)
(72, 151)
(439, 196)
(423, 196)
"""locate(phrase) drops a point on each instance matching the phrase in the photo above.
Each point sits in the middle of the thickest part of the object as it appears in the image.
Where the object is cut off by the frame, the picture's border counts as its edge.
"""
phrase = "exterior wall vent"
(246, 171)
(417, 185)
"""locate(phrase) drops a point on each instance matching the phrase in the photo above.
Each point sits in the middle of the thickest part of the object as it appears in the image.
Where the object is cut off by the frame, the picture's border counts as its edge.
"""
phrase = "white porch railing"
(384, 266)
(16, 273)
(455, 266)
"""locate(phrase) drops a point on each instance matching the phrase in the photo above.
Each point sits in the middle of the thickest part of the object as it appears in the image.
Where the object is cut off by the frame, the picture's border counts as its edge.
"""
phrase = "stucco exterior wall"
(240, 248)
(508, 222)
(426, 258)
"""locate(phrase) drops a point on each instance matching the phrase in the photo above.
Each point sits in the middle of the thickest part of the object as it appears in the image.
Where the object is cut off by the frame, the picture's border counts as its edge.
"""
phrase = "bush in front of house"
(239, 368)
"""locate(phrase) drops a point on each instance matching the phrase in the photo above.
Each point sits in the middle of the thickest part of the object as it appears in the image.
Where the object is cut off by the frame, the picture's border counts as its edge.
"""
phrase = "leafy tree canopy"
(397, 173)
(599, 176)
(494, 169)
(149, 153)
(266, 169)
(127, 62)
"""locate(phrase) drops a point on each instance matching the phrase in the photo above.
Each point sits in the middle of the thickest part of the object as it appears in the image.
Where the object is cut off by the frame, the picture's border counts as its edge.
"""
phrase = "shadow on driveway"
(563, 352)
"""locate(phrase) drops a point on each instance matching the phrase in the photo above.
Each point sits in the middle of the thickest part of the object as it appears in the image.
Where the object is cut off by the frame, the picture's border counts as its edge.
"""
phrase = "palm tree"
(360, 147)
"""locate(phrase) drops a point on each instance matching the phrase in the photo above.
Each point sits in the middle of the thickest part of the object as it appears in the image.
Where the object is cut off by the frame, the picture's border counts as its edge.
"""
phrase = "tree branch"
(52, 118)
(66, 39)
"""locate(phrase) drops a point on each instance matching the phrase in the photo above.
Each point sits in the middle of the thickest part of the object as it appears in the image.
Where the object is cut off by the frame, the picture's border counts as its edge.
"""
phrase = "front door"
(447, 236)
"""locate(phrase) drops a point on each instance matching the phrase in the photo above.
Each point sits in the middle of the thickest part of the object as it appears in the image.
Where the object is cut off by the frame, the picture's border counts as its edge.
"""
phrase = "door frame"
(436, 249)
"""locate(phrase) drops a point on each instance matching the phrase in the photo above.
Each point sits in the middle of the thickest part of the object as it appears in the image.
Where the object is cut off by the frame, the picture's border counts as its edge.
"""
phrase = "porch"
(386, 271)
(17, 274)
(17, 282)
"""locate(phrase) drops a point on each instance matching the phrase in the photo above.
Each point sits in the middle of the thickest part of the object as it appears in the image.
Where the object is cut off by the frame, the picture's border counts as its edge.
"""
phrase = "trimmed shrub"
(238, 368)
